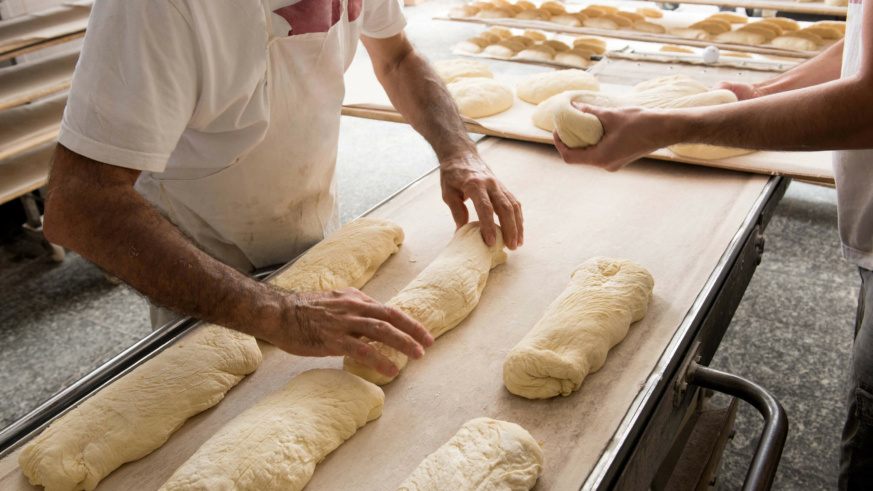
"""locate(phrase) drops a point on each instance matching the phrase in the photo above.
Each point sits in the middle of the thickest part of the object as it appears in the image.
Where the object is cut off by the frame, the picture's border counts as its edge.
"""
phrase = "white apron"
(279, 198)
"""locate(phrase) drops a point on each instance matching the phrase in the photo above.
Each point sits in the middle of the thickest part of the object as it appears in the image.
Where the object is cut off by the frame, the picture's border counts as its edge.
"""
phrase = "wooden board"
(782, 5)
(26, 172)
(30, 81)
(638, 36)
(676, 220)
(366, 98)
(31, 30)
(27, 126)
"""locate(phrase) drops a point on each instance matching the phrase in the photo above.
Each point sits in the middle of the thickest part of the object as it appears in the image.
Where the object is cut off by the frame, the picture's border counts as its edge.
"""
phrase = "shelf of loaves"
(538, 47)
(837, 8)
(728, 31)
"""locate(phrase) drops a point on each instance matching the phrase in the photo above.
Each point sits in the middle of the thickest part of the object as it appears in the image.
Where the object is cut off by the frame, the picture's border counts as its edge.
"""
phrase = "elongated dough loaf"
(484, 455)
(348, 257)
(276, 444)
(442, 295)
(593, 314)
(136, 414)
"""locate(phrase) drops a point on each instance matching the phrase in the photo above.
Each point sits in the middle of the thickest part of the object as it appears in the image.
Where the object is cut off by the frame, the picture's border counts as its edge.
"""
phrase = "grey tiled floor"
(791, 334)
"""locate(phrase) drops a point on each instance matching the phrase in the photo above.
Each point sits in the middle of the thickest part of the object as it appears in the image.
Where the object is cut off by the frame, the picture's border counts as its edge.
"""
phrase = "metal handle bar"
(766, 459)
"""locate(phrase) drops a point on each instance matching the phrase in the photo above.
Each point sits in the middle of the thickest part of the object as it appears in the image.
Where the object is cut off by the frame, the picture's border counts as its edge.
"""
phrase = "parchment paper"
(29, 81)
(363, 91)
(675, 220)
(44, 25)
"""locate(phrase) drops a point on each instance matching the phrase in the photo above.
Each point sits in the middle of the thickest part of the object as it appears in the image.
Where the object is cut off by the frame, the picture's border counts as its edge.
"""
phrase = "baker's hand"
(626, 137)
(333, 323)
(742, 91)
(467, 177)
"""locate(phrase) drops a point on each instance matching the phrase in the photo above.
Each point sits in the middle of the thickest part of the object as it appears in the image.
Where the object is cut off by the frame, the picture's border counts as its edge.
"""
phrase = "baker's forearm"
(834, 115)
(420, 96)
(823, 68)
(100, 216)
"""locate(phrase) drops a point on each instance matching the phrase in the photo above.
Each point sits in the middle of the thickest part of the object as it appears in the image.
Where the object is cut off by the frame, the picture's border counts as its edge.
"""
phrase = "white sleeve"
(135, 86)
(382, 18)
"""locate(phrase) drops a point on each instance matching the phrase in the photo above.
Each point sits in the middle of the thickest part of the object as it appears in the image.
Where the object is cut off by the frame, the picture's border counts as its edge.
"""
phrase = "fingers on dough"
(442, 295)
(348, 257)
(136, 414)
(484, 454)
(593, 314)
(276, 444)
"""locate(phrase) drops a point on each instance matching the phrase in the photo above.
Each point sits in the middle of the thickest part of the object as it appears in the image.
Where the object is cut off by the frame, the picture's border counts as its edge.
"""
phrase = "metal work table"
(698, 230)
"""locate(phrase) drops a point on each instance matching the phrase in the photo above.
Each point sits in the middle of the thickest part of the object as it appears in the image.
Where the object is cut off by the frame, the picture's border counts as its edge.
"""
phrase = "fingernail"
(393, 371)
(419, 351)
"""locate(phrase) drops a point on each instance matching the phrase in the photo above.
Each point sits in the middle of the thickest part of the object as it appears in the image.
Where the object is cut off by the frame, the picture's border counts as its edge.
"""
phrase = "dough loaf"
(276, 444)
(136, 414)
(539, 87)
(484, 455)
(450, 70)
(442, 295)
(348, 257)
(480, 97)
(593, 314)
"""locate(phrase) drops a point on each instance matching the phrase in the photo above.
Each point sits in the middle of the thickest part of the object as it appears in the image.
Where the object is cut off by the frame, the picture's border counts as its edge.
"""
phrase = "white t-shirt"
(178, 87)
(853, 169)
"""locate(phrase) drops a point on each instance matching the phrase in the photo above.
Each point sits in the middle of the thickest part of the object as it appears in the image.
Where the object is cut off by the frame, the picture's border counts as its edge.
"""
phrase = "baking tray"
(679, 221)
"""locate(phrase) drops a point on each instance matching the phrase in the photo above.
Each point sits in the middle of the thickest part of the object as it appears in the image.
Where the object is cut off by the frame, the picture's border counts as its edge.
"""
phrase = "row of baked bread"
(594, 16)
(780, 32)
(533, 45)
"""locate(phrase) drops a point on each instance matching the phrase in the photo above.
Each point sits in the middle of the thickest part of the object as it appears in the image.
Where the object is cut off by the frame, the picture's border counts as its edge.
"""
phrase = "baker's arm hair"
(93, 209)
(822, 68)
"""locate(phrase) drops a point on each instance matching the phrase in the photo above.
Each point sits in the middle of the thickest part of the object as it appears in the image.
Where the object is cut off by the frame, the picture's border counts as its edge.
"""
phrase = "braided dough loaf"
(593, 314)
(442, 295)
(276, 444)
(485, 454)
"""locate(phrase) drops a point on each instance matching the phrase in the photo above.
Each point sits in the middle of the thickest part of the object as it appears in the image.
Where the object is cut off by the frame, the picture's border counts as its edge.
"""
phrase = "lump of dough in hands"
(539, 87)
(571, 340)
(450, 70)
(485, 454)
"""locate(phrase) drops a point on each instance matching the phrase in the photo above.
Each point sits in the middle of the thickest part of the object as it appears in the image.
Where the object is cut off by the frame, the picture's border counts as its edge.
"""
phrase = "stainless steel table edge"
(641, 408)
(31, 424)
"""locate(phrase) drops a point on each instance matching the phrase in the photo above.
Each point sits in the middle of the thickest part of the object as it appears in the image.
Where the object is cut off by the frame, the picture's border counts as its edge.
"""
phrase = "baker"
(823, 104)
(199, 142)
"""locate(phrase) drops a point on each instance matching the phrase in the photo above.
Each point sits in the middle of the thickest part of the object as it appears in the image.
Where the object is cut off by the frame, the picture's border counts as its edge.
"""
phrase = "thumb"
(459, 210)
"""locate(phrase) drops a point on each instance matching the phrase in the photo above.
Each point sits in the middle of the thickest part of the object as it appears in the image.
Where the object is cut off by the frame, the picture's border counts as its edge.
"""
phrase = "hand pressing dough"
(539, 87)
(135, 415)
(450, 70)
(484, 455)
(480, 97)
(442, 295)
(276, 444)
(593, 314)
(348, 257)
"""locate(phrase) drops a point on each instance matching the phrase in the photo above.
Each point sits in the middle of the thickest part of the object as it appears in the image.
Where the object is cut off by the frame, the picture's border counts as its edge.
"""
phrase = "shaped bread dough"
(795, 43)
(540, 86)
(741, 37)
(676, 49)
(450, 70)
(688, 33)
(480, 97)
(136, 414)
(473, 45)
(593, 314)
(706, 152)
(652, 27)
(442, 295)
(575, 57)
(276, 443)
(601, 23)
(540, 53)
(566, 20)
(535, 35)
(348, 257)
(484, 455)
